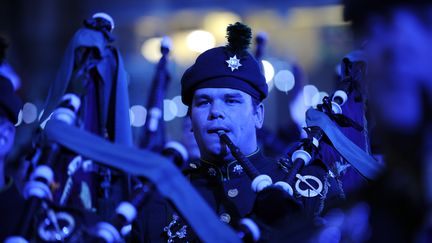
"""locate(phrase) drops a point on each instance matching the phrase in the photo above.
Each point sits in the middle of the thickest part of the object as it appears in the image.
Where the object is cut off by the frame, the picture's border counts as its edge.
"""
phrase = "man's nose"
(216, 111)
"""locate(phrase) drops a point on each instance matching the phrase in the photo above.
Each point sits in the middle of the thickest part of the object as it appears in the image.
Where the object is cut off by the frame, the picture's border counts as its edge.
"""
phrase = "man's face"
(229, 110)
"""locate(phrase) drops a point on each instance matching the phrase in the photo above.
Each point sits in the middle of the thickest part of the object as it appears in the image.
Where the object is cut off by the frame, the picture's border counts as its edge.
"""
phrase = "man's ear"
(7, 137)
(259, 116)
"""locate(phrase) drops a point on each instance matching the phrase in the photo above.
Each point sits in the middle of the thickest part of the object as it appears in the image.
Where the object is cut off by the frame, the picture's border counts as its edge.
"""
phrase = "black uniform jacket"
(227, 189)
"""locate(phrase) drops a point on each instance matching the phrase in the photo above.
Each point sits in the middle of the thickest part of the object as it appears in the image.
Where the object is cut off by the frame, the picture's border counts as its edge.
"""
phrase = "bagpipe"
(342, 118)
(47, 220)
(153, 134)
(92, 68)
(94, 79)
(275, 202)
(94, 145)
(42, 217)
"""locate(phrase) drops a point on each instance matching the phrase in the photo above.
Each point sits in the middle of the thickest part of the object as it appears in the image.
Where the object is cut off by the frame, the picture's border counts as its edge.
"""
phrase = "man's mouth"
(216, 130)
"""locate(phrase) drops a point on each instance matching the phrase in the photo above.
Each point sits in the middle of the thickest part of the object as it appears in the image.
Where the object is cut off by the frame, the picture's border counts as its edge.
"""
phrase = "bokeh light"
(200, 41)
(170, 110)
(268, 70)
(284, 80)
(181, 108)
(217, 22)
(309, 91)
(150, 49)
(138, 115)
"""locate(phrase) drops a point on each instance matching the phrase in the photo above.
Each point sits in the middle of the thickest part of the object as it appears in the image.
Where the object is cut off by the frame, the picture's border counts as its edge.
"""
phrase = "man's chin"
(219, 153)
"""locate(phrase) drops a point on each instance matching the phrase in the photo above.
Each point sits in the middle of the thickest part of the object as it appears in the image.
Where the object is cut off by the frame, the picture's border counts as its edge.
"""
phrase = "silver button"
(192, 165)
(225, 218)
(232, 192)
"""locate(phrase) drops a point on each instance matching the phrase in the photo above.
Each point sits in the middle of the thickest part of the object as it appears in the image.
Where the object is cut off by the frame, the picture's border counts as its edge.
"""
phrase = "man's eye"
(232, 101)
(203, 102)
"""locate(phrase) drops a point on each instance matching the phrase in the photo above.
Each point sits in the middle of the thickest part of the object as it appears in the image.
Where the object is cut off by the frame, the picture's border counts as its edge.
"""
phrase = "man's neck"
(224, 160)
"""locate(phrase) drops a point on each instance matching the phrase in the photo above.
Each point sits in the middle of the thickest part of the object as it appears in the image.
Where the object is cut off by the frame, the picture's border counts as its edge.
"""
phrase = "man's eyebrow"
(201, 96)
(233, 95)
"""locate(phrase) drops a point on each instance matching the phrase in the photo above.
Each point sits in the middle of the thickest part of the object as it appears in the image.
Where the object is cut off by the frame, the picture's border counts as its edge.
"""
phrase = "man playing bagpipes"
(224, 91)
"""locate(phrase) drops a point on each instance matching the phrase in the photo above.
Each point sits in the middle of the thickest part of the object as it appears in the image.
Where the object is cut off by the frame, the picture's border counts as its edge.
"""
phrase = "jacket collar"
(228, 170)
